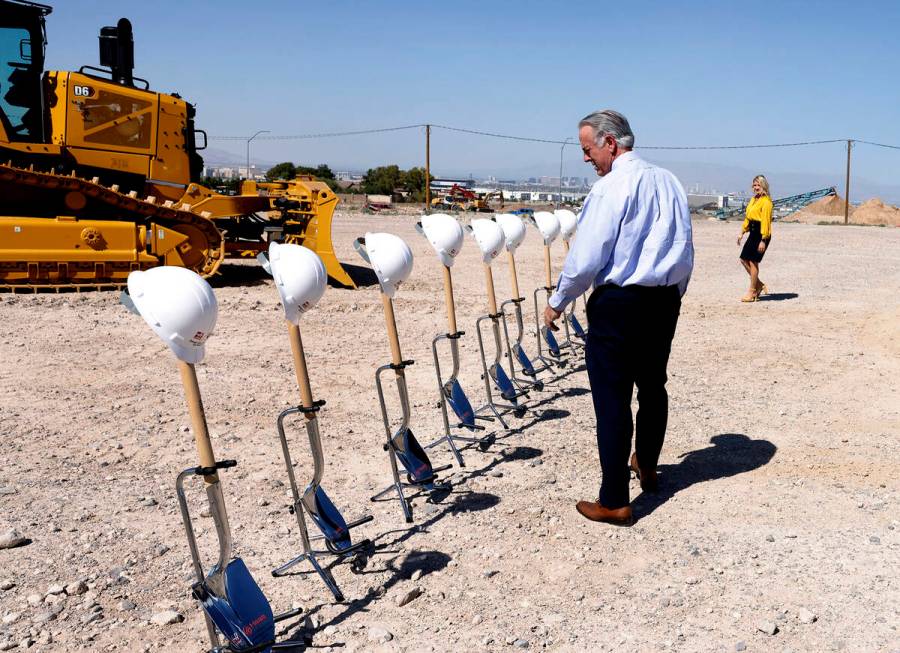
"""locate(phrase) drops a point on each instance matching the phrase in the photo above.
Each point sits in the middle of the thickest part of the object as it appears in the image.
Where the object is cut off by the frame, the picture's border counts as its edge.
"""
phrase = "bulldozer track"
(106, 204)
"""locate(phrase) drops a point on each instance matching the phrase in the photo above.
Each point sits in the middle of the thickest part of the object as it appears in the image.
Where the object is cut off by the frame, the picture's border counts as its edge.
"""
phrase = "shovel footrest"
(343, 553)
(287, 615)
(401, 365)
(455, 336)
(495, 316)
(360, 521)
(220, 464)
(474, 427)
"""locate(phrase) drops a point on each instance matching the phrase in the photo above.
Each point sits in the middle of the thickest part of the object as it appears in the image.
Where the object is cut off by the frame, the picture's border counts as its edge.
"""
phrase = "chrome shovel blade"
(243, 615)
(524, 361)
(550, 339)
(576, 326)
(504, 385)
(454, 395)
(328, 519)
(412, 456)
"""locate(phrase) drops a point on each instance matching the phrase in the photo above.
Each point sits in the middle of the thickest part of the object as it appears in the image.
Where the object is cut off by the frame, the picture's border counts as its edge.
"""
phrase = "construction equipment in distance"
(782, 206)
(99, 175)
(458, 198)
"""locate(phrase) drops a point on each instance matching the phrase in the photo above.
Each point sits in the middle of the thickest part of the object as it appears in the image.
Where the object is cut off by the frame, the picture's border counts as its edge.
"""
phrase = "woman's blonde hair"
(762, 182)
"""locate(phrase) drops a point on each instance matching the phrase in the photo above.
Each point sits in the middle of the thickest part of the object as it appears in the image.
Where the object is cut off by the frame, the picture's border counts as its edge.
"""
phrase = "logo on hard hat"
(199, 337)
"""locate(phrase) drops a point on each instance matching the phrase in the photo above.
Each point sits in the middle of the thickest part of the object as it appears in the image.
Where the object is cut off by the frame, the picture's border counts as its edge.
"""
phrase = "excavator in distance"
(99, 175)
(457, 198)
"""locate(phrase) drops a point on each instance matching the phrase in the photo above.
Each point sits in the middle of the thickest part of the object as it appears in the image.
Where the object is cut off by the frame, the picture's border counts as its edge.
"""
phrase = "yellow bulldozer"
(99, 174)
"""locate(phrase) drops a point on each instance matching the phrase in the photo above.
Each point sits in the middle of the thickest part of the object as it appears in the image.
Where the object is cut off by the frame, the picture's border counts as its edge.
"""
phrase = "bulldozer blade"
(550, 339)
(524, 362)
(460, 404)
(329, 520)
(501, 380)
(413, 457)
(243, 615)
(576, 326)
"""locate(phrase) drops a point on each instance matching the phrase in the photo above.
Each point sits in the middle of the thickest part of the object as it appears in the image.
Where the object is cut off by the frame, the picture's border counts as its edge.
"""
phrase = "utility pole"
(847, 185)
(262, 131)
(427, 167)
(559, 197)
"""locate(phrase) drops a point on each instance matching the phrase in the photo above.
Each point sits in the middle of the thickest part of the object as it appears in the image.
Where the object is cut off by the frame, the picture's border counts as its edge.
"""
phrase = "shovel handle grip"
(198, 419)
(391, 323)
(489, 282)
(513, 277)
(448, 299)
(547, 270)
(300, 369)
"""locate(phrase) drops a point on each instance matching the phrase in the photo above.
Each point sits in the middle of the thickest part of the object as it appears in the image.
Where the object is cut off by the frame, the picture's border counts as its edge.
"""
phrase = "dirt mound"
(876, 212)
(827, 209)
(831, 205)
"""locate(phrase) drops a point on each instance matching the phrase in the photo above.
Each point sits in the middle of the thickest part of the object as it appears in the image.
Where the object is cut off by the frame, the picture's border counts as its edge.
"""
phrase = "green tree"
(413, 180)
(321, 171)
(286, 170)
(382, 180)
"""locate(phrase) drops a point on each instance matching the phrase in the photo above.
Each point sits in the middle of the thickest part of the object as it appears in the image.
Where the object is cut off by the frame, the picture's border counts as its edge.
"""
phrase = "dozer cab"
(99, 174)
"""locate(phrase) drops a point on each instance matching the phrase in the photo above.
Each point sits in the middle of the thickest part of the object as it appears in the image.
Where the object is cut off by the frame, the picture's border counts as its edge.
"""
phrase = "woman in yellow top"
(759, 225)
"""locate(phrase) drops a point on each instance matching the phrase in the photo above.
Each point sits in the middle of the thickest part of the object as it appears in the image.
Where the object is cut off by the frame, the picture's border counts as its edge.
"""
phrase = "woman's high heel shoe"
(750, 297)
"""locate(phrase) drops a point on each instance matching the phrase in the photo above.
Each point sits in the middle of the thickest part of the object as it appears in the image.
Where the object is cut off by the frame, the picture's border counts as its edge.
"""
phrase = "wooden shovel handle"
(489, 281)
(300, 370)
(547, 272)
(198, 419)
(391, 323)
(448, 299)
(513, 277)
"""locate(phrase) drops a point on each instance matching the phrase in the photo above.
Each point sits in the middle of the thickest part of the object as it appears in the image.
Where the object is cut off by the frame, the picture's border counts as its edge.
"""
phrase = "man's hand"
(550, 317)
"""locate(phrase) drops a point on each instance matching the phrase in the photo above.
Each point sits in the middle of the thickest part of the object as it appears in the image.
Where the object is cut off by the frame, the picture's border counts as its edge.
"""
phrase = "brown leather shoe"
(595, 512)
(647, 477)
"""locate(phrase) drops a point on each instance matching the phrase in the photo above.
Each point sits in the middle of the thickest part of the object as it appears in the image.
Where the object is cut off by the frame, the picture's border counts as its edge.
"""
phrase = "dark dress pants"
(628, 343)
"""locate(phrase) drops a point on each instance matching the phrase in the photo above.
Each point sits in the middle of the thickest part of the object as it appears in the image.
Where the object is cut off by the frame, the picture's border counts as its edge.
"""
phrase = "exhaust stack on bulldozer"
(99, 175)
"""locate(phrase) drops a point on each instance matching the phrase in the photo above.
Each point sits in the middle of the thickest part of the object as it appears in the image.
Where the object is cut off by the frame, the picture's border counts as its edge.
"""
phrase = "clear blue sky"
(685, 73)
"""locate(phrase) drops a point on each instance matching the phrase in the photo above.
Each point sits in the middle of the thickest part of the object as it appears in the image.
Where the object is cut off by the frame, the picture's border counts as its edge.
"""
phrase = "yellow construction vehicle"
(98, 174)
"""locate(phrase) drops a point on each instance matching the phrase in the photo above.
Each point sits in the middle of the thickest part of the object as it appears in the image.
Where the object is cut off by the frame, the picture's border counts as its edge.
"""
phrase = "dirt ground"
(777, 527)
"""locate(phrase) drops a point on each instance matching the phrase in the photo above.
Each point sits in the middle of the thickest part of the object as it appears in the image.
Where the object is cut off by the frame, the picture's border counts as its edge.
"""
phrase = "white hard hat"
(548, 225)
(445, 235)
(568, 223)
(513, 229)
(178, 305)
(299, 276)
(489, 237)
(391, 259)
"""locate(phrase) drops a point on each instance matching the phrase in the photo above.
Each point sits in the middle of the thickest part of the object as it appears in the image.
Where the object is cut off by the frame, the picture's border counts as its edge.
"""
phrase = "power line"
(511, 137)
(890, 147)
(295, 137)
(735, 147)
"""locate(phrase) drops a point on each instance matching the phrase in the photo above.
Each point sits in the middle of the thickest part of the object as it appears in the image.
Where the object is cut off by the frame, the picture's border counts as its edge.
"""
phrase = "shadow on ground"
(362, 276)
(400, 565)
(729, 455)
(239, 274)
(778, 297)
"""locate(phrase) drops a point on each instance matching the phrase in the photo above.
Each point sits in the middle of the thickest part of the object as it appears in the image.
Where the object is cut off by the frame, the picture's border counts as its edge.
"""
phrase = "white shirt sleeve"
(598, 230)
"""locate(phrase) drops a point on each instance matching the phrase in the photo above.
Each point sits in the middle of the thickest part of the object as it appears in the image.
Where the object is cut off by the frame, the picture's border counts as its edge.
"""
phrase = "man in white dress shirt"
(634, 248)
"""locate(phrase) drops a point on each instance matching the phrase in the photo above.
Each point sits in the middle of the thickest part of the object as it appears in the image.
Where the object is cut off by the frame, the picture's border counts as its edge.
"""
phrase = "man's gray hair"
(612, 123)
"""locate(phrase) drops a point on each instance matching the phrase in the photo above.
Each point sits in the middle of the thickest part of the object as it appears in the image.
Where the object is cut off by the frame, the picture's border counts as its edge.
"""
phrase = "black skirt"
(750, 252)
